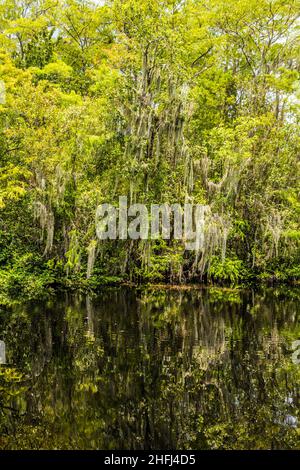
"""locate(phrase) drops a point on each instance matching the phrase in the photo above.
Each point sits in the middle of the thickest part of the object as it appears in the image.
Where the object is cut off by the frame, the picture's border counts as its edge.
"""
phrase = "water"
(156, 369)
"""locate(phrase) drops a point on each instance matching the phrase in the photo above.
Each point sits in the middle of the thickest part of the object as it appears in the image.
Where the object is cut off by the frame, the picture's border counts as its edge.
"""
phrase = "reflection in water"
(158, 369)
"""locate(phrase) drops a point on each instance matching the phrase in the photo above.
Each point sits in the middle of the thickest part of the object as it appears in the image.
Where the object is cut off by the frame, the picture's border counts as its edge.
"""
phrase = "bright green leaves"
(160, 101)
(12, 183)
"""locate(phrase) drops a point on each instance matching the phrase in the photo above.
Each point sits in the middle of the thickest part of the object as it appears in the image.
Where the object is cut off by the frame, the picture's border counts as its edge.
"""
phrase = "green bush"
(228, 271)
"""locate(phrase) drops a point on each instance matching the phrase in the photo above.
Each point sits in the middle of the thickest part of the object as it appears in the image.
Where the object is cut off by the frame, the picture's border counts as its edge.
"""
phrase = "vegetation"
(160, 100)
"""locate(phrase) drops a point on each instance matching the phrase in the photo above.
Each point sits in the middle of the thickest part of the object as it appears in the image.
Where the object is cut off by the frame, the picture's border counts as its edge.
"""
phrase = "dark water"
(160, 369)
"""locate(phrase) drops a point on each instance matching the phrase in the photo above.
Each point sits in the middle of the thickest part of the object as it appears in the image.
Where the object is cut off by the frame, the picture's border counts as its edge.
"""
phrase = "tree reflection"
(156, 369)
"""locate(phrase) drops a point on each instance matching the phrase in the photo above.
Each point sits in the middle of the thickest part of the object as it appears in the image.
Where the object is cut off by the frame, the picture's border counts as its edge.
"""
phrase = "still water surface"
(156, 369)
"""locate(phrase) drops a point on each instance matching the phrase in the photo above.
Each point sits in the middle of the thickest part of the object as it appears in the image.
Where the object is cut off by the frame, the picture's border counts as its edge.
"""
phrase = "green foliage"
(161, 102)
(228, 270)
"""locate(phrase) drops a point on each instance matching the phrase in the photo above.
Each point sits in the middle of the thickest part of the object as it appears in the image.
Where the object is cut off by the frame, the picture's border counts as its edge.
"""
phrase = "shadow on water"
(157, 369)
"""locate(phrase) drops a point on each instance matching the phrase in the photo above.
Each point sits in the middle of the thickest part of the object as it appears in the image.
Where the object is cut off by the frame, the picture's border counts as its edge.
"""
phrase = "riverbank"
(19, 286)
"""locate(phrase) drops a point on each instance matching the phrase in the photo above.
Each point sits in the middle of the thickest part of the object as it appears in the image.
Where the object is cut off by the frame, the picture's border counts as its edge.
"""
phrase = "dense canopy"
(163, 102)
